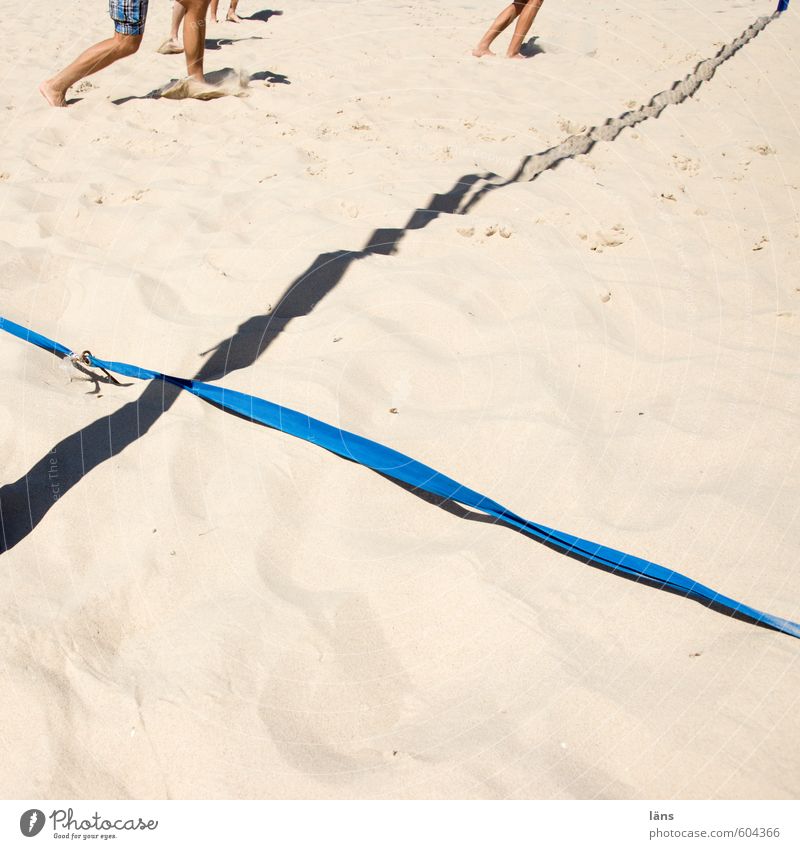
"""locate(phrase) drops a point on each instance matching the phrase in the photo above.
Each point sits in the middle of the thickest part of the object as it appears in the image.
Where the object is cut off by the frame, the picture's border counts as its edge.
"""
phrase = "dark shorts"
(128, 15)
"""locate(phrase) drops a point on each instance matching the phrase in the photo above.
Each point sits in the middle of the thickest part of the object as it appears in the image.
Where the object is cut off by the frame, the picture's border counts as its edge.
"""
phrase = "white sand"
(223, 611)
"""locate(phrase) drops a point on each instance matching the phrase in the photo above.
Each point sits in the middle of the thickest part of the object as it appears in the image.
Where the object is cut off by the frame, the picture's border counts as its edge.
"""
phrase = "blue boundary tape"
(392, 463)
(783, 5)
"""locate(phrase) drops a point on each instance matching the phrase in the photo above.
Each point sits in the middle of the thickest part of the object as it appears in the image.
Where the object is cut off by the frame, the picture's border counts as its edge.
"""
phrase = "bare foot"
(171, 45)
(515, 56)
(201, 89)
(53, 95)
(482, 51)
(233, 18)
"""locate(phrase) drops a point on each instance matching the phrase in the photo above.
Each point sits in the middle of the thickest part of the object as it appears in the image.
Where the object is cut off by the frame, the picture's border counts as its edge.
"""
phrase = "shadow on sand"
(219, 77)
(531, 48)
(24, 503)
(264, 15)
(219, 43)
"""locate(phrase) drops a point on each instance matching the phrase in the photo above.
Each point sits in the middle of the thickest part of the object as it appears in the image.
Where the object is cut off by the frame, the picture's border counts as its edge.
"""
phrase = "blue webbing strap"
(392, 463)
(34, 338)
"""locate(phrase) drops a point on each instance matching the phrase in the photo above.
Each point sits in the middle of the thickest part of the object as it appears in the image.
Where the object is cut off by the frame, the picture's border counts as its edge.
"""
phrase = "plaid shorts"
(128, 15)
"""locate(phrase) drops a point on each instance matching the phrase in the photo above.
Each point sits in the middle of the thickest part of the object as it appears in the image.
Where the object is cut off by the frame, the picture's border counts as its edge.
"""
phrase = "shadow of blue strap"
(387, 461)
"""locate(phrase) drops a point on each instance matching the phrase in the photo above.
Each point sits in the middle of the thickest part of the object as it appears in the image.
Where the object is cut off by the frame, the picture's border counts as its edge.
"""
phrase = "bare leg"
(232, 16)
(500, 23)
(173, 43)
(178, 14)
(194, 36)
(97, 57)
(524, 22)
(214, 4)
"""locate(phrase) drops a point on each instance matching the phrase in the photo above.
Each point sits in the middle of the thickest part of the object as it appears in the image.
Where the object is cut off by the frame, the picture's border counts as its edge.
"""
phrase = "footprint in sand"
(318, 165)
(504, 231)
(686, 163)
(137, 195)
(612, 238)
(487, 232)
(571, 128)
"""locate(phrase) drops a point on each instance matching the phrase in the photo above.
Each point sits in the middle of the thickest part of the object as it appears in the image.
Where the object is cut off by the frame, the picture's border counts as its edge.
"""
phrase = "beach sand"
(206, 608)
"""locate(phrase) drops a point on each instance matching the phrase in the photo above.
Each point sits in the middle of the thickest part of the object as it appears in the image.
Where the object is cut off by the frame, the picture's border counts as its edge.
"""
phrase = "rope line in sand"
(386, 461)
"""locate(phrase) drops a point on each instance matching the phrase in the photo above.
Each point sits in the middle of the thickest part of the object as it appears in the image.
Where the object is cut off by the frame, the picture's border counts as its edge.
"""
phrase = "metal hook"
(86, 359)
